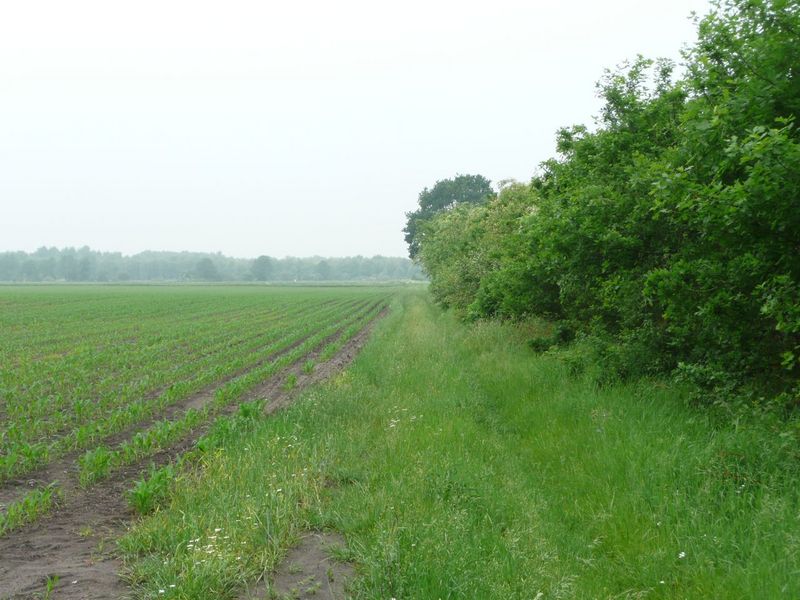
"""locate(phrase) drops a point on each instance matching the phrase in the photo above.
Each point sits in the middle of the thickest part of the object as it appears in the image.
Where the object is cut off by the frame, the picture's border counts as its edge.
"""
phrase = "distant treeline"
(667, 238)
(84, 264)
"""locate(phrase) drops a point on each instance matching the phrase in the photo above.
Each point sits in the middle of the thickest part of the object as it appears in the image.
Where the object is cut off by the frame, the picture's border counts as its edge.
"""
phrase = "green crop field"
(88, 373)
(579, 383)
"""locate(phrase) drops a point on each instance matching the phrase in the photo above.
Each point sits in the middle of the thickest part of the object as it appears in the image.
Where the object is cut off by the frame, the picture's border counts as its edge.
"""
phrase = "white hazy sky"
(287, 128)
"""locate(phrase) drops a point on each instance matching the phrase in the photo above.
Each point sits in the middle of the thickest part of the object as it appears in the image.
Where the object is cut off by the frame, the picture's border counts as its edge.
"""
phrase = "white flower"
(681, 554)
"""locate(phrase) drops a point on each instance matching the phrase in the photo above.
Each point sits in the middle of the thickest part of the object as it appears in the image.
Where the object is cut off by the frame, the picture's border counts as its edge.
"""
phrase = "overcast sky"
(287, 128)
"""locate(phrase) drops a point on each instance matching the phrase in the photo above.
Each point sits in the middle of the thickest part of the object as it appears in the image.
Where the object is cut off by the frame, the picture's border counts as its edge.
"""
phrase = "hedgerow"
(669, 234)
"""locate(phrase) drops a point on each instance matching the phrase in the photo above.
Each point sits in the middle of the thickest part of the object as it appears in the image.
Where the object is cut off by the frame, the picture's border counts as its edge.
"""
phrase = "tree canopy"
(444, 195)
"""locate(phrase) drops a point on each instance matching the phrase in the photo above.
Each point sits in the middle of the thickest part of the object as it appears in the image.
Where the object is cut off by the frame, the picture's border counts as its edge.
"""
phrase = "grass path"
(457, 464)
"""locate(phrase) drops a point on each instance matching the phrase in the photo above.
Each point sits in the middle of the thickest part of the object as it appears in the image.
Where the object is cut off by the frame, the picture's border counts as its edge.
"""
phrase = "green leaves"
(673, 228)
(149, 492)
(446, 194)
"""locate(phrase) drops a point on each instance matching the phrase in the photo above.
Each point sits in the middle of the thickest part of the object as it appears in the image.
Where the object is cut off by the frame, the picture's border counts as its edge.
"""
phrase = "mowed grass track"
(458, 464)
(79, 364)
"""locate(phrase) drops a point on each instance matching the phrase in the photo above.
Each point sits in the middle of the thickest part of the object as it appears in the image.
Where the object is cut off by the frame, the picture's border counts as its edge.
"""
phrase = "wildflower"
(681, 554)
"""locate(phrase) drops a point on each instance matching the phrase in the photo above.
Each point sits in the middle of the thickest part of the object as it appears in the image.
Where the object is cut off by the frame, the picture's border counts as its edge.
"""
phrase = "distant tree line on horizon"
(87, 265)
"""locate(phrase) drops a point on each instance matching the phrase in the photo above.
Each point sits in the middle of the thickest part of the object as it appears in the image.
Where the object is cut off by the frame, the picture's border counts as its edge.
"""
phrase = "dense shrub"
(671, 233)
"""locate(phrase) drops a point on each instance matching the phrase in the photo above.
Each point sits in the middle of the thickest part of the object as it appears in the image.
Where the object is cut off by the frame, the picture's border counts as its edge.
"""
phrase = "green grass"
(149, 492)
(29, 508)
(459, 464)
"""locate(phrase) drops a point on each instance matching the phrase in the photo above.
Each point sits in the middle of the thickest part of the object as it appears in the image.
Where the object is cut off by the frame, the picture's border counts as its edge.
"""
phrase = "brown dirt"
(308, 572)
(75, 543)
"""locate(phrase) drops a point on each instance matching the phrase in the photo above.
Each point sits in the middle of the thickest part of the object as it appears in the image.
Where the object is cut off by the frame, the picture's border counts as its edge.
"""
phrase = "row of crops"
(102, 377)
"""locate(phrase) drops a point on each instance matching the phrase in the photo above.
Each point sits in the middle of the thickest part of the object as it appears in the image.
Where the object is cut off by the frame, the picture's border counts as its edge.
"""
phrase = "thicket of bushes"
(669, 236)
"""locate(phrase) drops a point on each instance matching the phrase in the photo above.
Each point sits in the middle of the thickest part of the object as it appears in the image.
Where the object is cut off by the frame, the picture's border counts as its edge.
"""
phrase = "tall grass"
(458, 464)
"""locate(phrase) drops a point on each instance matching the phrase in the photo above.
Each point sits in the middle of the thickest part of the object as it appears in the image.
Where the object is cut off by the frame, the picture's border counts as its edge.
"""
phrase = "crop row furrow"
(24, 457)
(30, 346)
(146, 376)
(29, 372)
(99, 462)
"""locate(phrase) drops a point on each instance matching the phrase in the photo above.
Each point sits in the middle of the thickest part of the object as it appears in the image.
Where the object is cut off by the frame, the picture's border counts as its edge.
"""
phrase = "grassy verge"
(458, 464)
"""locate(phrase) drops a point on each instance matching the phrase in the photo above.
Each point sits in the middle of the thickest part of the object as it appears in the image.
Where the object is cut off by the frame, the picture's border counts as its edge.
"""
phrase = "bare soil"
(76, 542)
(308, 572)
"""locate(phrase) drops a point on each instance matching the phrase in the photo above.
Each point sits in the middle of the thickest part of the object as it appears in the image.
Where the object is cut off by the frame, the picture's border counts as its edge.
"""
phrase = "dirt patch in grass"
(76, 543)
(309, 571)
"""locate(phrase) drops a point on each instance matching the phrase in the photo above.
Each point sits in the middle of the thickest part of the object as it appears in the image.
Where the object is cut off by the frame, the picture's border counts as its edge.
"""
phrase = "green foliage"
(290, 382)
(29, 507)
(50, 584)
(559, 335)
(149, 492)
(669, 237)
(263, 268)
(445, 195)
(95, 464)
(206, 270)
(454, 257)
